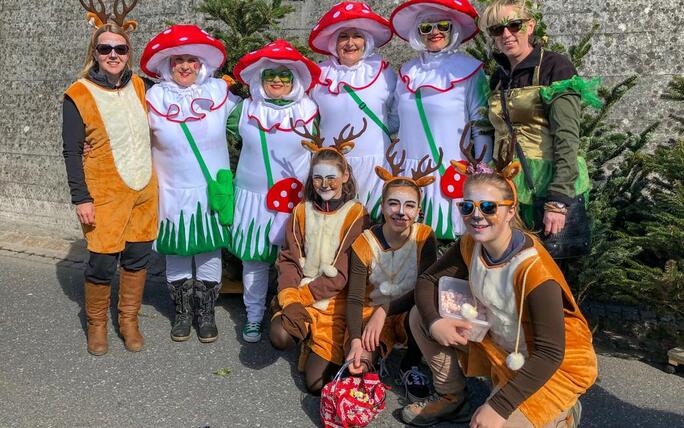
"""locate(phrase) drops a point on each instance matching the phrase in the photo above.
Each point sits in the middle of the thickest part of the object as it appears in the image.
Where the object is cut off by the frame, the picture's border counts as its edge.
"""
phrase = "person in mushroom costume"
(356, 84)
(437, 94)
(313, 265)
(272, 164)
(188, 111)
(113, 185)
(384, 266)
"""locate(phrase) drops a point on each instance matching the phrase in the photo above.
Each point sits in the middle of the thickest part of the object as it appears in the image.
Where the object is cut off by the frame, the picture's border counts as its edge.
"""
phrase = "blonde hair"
(500, 183)
(90, 54)
(493, 13)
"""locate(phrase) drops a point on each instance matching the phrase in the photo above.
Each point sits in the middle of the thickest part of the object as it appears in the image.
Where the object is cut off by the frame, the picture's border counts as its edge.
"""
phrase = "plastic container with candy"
(455, 300)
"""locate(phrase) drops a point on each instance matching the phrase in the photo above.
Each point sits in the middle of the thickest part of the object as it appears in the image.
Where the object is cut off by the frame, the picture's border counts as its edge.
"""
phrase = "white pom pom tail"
(515, 361)
(329, 270)
(468, 311)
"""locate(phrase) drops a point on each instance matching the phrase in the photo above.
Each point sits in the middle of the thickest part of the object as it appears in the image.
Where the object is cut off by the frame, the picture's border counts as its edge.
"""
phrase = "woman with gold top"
(543, 94)
(536, 346)
(112, 186)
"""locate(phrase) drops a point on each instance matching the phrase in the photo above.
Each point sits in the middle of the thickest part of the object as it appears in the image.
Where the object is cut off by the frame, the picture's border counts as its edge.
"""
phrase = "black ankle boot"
(181, 293)
(206, 293)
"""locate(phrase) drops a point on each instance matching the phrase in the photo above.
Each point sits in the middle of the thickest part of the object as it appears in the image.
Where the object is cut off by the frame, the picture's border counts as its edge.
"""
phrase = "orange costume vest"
(118, 168)
(577, 371)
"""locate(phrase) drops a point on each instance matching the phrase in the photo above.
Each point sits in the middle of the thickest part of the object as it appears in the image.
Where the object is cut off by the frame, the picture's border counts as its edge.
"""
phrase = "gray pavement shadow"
(69, 272)
(622, 414)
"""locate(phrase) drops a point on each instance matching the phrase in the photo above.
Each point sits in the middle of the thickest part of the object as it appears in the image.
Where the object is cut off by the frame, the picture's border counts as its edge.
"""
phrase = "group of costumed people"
(348, 176)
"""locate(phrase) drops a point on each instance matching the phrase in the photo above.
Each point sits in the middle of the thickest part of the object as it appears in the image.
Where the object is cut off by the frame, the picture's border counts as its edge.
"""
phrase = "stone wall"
(43, 43)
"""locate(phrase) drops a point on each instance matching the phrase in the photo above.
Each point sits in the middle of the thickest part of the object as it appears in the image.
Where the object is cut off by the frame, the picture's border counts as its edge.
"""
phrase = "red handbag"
(352, 401)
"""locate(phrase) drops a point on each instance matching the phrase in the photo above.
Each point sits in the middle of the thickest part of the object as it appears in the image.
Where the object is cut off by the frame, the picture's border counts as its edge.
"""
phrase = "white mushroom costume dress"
(273, 163)
(348, 95)
(189, 147)
(437, 94)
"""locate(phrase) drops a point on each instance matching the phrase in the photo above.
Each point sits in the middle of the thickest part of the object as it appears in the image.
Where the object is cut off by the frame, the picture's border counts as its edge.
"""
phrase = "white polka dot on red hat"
(276, 49)
(289, 49)
(155, 46)
(336, 14)
(276, 204)
(349, 7)
(450, 188)
(365, 11)
(167, 31)
(316, 27)
(210, 38)
(283, 193)
(182, 39)
(290, 205)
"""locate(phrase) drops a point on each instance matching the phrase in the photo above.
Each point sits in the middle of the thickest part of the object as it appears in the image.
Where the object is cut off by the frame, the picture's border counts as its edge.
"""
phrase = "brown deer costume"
(313, 265)
(114, 178)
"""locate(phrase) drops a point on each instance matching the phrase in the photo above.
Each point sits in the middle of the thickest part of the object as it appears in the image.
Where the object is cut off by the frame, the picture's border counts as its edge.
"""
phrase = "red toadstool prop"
(451, 183)
(282, 197)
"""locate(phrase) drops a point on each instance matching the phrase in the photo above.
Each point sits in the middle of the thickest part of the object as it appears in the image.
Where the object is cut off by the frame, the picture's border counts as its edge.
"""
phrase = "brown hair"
(331, 155)
(500, 183)
(90, 54)
(492, 13)
(400, 182)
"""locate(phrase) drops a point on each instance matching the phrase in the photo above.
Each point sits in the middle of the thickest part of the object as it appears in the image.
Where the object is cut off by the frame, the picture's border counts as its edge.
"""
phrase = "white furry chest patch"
(393, 272)
(125, 120)
(494, 287)
(321, 243)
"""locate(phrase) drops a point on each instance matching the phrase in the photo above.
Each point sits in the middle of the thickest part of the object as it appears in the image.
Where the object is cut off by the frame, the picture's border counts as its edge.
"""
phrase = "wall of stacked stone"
(42, 44)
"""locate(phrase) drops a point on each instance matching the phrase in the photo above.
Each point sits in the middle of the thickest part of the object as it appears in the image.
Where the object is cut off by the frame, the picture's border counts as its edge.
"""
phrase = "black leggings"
(102, 267)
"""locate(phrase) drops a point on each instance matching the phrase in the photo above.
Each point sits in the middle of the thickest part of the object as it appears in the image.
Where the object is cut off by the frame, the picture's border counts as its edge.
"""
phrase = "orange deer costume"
(116, 176)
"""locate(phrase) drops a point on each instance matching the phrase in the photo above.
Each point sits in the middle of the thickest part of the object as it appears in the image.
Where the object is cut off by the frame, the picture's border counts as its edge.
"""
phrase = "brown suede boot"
(131, 286)
(97, 297)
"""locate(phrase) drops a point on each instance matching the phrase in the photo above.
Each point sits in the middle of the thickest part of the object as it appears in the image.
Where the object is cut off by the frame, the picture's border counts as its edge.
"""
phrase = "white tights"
(255, 282)
(207, 266)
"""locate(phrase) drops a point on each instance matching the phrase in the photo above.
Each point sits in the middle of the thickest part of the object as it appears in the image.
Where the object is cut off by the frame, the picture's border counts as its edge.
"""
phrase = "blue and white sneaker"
(251, 332)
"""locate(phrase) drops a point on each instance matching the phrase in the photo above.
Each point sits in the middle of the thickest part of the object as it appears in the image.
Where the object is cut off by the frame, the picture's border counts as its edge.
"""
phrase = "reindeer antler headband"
(343, 143)
(505, 166)
(98, 16)
(420, 176)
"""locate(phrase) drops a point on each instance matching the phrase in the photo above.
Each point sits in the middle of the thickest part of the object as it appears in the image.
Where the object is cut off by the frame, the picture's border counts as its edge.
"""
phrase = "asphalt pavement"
(47, 379)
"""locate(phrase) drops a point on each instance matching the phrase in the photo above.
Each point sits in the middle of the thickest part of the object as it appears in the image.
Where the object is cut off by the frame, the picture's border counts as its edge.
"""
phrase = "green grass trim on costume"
(542, 174)
(586, 89)
(205, 235)
(242, 247)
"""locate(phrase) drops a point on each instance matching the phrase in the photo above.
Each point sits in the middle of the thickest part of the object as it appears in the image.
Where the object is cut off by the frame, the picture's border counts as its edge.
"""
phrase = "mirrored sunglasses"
(426, 27)
(488, 208)
(270, 75)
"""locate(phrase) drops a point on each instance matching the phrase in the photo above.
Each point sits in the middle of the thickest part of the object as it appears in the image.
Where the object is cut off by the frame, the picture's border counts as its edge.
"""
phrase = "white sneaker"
(251, 332)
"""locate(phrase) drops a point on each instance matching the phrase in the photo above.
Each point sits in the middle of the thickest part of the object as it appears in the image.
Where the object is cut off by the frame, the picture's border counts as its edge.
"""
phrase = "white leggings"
(255, 283)
(207, 266)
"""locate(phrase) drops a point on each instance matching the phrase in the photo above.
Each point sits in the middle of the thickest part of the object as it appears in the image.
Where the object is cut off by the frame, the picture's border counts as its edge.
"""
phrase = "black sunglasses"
(107, 49)
(513, 26)
(487, 208)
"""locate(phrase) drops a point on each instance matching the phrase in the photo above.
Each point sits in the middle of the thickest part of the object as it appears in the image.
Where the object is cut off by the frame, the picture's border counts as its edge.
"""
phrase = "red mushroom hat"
(182, 40)
(349, 14)
(404, 17)
(278, 52)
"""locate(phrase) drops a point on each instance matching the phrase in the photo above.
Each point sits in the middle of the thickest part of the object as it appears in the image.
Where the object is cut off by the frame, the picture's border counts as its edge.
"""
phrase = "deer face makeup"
(328, 180)
(400, 208)
(184, 69)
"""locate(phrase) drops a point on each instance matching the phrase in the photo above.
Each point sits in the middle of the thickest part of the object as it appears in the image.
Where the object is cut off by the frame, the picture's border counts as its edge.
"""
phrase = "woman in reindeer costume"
(356, 84)
(538, 349)
(112, 186)
(313, 264)
(272, 165)
(437, 94)
(188, 111)
(385, 263)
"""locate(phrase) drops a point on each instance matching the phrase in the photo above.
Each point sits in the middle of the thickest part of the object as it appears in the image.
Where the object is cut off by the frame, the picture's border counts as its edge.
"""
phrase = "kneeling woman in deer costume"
(313, 264)
(538, 349)
(272, 164)
(187, 114)
(385, 263)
